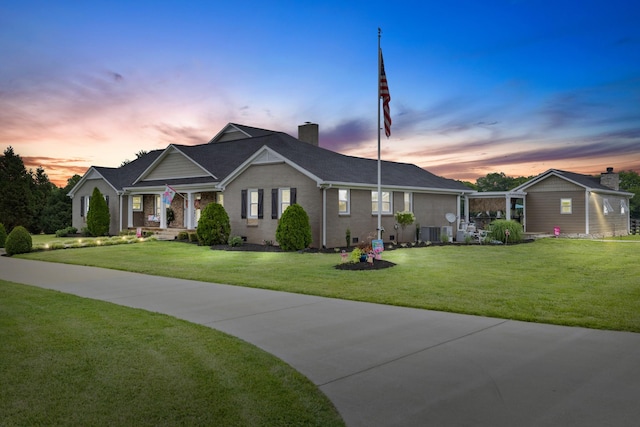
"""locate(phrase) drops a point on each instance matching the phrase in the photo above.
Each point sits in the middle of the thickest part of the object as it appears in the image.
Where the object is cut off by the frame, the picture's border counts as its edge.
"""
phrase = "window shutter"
(260, 204)
(243, 208)
(293, 196)
(274, 203)
(82, 206)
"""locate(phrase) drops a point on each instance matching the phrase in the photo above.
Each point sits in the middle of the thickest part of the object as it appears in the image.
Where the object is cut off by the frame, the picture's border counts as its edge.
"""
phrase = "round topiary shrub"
(507, 231)
(294, 231)
(18, 241)
(213, 226)
(98, 217)
(3, 235)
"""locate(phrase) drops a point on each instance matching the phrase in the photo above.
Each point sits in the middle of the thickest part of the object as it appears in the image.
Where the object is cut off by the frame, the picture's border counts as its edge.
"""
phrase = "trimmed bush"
(294, 231)
(98, 217)
(64, 232)
(183, 235)
(18, 241)
(498, 231)
(235, 241)
(213, 226)
(3, 235)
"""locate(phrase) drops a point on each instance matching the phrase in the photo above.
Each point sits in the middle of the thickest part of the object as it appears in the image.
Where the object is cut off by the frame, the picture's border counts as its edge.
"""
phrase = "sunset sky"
(511, 86)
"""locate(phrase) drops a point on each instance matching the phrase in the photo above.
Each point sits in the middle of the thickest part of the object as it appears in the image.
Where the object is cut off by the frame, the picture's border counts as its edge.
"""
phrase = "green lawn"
(570, 282)
(66, 360)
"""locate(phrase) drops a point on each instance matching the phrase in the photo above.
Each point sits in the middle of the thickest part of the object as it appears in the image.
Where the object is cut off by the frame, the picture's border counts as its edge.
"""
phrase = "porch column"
(130, 211)
(188, 213)
(508, 209)
(466, 209)
(163, 213)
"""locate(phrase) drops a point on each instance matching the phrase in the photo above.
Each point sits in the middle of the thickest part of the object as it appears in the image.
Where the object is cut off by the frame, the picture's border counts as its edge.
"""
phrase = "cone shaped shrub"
(18, 241)
(98, 217)
(294, 232)
(213, 226)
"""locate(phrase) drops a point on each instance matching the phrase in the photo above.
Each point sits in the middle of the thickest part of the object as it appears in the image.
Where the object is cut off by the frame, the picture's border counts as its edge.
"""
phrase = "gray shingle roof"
(222, 158)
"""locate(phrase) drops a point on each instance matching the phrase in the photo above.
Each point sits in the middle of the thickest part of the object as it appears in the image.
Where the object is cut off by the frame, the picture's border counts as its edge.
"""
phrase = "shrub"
(64, 232)
(498, 231)
(98, 217)
(213, 226)
(294, 231)
(235, 241)
(355, 255)
(18, 241)
(3, 235)
(193, 237)
(183, 235)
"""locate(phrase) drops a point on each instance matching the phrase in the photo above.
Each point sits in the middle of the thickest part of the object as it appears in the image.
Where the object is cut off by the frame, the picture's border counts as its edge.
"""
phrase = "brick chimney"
(308, 133)
(610, 179)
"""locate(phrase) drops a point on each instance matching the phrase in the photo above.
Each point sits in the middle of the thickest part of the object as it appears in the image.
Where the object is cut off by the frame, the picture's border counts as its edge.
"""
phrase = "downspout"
(120, 212)
(587, 196)
(324, 217)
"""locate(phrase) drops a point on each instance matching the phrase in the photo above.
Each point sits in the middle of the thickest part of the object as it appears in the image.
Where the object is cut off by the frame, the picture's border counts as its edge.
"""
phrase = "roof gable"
(588, 182)
(234, 132)
(173, 163)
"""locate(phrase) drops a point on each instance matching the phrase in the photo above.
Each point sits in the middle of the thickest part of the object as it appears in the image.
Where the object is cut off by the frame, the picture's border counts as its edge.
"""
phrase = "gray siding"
(85, 191)
(175, 165)
(613, 223)
(543, 212)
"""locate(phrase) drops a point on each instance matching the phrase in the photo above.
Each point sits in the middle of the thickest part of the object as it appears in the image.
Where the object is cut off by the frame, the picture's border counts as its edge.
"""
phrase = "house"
(580, 205)
(256, 174)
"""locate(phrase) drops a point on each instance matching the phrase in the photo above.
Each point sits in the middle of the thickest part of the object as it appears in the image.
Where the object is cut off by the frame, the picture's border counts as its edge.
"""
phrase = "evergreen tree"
(16, 203)
(57, 213)
(41, 190)
(98, 217)
(294, 231)
(213, 226)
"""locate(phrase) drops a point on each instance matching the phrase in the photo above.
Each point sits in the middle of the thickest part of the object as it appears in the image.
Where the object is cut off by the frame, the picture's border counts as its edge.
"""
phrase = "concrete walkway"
(390, 366)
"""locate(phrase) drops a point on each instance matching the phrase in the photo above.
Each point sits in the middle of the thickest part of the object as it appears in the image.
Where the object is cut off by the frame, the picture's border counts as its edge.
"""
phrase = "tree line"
(29, 199)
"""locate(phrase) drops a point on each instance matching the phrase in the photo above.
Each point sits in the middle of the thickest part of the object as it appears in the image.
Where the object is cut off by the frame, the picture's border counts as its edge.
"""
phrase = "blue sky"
(477, 87)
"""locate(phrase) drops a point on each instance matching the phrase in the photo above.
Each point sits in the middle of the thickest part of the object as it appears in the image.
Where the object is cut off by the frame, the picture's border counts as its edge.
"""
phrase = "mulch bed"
(377, 264)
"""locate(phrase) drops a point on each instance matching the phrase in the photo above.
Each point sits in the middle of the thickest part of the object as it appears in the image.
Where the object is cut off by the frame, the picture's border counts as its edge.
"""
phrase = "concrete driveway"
(391, 366)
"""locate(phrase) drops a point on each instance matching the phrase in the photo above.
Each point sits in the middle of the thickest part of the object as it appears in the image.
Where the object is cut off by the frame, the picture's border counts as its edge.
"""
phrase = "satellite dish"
(451, 217)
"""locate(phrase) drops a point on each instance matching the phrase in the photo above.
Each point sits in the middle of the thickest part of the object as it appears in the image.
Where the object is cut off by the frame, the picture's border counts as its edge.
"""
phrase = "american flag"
(386, 97)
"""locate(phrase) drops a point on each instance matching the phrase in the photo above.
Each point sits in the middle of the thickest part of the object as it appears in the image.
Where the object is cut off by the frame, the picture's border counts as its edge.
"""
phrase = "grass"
(588, 283)
(66, 360)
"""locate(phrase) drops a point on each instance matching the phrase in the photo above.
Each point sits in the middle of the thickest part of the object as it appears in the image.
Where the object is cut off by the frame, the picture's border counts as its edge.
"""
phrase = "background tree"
(41, 190)
(98, 217)
(138, 155)
(630, 181)
(16, 201)
(499, 182)
(294, 231)
(213, 226)
(57, 213)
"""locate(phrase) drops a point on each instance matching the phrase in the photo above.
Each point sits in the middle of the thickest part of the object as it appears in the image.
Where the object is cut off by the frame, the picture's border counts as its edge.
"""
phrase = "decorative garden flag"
(169, 194)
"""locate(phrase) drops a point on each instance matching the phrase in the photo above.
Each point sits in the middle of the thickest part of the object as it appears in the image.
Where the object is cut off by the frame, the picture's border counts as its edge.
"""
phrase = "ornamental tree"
(294, 231)
(98, 217)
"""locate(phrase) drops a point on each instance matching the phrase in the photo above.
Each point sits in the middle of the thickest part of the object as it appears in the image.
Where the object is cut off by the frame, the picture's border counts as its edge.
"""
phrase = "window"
(565, 206)
(408, 202)
(343, 201)
(606, 207)
(251, 203)
(281, 199)
(623, 207)
(136, 203)
(385, 202)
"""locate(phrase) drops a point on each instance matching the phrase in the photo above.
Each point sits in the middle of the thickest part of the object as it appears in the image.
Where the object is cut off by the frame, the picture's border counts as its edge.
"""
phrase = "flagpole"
(379, 163)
